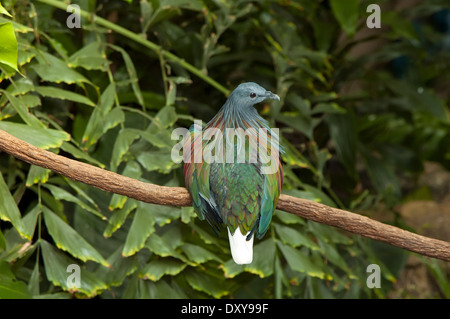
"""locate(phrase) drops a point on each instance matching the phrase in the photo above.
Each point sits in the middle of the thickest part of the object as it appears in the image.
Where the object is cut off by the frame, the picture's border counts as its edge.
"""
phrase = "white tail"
(241, 248)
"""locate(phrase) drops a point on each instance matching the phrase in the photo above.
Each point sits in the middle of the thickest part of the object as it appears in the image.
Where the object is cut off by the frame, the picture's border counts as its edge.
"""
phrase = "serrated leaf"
(22, 109)
(30, 219)
(119, 217)
(231, 269)
(57, 93)
(61, 194)
(52, 69)
(329, 234)
(293, 237)
(80, 154)
(160, 247)
(187, 213)
(332, 254)
(157, 268)
(36, 175)
(121, 146)
(298, 262)
(164, 214)
(160, 290)
(200, 281)
(133, 170)
(120, 268)
(9, 210)
(263, 259)
(67, 239)
(56, 264)
(131, 73)
(141, 227)
(103, 118)
(44, 138)
(90, 57)
(160, 161)
(198, 254)
(165, 118)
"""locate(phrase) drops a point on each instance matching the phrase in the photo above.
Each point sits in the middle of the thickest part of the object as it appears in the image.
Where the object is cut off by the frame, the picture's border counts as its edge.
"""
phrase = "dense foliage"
(357, 128)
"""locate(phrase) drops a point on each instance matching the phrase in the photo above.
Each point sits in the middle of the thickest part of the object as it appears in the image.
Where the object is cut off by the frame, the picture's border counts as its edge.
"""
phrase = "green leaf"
(77, 153)
(9, 210)
(288, 218)
(298, 262)
(36, 175)
(56, 264)
(328, 108)
(2, 242)
(131, 73)
(160, 247)
(90, 57)
(4, 11)
(121, 146)
(383, 177)
(344, 137)
(52, 69)
(20, 28)
(22, 109)
(10, 287)
(30, 219)
(329, 234)
(133, 170)
(8, 47)
(164, 214)
(263, 259)
(198, 254)
(160, 161)
(67, 239)
(61, 194)
(202, 282)
(57, 93)
(141, 227)
(33, 284)
(160, 290)
(44, 138)
(401, 27)
(332, 254)
(119, 217)
(231, 269)
(293, 237)
(346, 13)
(165, 118)
(103, 118)
(120, 268)
(157, 268)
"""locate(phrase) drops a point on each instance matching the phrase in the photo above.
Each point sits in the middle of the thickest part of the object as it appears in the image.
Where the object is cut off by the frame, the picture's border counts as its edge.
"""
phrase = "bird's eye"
(253, 95)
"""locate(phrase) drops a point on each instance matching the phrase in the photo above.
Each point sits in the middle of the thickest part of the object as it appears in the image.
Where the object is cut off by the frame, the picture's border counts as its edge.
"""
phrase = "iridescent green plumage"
(238, 191)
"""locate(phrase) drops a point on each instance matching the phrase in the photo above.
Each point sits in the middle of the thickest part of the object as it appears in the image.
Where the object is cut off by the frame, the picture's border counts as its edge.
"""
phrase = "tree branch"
(179, 196)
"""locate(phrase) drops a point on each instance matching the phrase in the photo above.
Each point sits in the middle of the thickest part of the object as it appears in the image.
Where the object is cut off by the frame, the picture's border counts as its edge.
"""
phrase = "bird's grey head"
(250, 93)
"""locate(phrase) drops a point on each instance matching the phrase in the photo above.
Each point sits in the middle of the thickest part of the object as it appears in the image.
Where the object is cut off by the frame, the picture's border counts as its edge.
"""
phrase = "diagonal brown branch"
(179, 196)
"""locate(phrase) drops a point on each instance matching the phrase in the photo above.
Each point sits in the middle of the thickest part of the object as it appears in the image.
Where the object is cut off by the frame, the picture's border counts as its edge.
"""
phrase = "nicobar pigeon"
(232, 188)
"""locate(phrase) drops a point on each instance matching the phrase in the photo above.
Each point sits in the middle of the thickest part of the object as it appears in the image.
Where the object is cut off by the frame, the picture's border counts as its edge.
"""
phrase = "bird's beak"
(272, 96)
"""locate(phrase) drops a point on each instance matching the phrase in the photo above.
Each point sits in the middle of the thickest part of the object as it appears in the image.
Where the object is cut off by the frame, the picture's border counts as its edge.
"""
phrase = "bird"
(234, 186)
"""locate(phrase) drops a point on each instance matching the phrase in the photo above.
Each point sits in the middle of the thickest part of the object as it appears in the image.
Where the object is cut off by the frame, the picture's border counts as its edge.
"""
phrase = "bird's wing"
(197, 181)
(269, 200)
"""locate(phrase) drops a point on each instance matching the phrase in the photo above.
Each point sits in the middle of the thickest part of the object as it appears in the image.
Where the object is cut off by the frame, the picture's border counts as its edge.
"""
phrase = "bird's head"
(250, 93)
